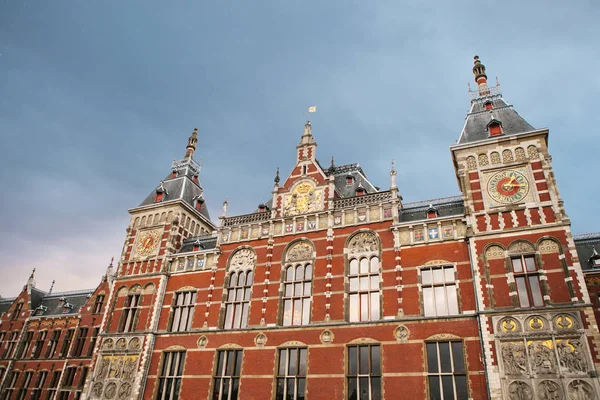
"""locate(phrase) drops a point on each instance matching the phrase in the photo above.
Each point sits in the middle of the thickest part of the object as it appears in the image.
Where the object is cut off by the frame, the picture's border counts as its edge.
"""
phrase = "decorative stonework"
(443, 336)
(532, 152)
(202, 342)
(581, 390)
(364, 242)
(548, 246)
(521, 247)
(495, 157)
(471, 163)
(509, 325)
(520, 154)
(401, 333)
(483, 160)
(564, 322)
(243, 258)
(507, 156)
(494, 253)
(536, 323)
(437, 262)
(304, 198)
(300, 251)
(519, 390)
(260, 340)
(549, 390)
(326, 336)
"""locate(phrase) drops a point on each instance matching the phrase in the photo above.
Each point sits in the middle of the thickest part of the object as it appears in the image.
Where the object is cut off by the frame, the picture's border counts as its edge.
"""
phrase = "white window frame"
(184, 303)
(447, 288)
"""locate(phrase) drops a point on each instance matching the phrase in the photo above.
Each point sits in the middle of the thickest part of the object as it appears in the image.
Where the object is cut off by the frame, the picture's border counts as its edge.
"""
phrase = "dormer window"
(67, 307)
(174, 174)
(488, 105)
(159, 197)
(432, 212)
(595, 258)
(360, 191)
(160, 193)
(195, 179)
(198, 245)
(596, 262)
(495, 128)
(262, 208)
(199, 204)
(349, 180)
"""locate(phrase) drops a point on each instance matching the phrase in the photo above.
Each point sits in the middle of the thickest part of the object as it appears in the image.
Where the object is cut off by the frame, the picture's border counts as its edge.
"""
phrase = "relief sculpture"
(581, 390)
(519, 390)
(542, 358)
(549, 390)
(242, 258)
(571, 355)
(299, 252)
(363, 243)
(514, 358)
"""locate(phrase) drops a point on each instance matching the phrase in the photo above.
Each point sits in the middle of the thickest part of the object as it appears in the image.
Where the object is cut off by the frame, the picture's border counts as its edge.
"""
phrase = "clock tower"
(527, 275)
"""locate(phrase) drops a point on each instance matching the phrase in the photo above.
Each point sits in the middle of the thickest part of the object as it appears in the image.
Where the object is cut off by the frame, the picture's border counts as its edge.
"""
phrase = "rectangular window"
(439, 291)
(183, 311)
(528, 281)
(364, 294)
(239, 291)
(226, 382)
(93, 340)
(98, 304)
(10, 344)
(364, 372)
(82, 378)
(52, 343)
(297, 292)
(26, 345)
(39, 344)
(69, 376)
(128, 318)
(169, 380)
(53, 385)
(39, 385)
(24, 385)
(80, 342)
(66, 343)
(447, 377)
(11, 385)
(291, 374)
(17, 311)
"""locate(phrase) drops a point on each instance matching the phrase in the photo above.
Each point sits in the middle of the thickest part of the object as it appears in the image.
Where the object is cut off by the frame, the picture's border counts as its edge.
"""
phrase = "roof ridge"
(438, 200)
(69, 293)
(589, 235)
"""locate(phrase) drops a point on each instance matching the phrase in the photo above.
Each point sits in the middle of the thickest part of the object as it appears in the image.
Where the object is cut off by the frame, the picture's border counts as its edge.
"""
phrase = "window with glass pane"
(39, 385)
(183, 310)
(169, 380)
(364, 291)
(528, 281)
(129, 313)
(11, 385)
(93, 340)
(239, 291)
(80, 342)
(10, 344)
(66, 343)
(26, 345)
(39, 344)
(439, 291)
(226, 382)
(53, 385)
(447, 377)
(17, 311)
(364, 372)
(291, 374)
(24, 387)
(98, 303)
(297, 291)
(52, 343)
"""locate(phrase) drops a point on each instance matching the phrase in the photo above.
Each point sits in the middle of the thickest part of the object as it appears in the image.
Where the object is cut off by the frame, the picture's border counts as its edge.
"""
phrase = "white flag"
(312, 109)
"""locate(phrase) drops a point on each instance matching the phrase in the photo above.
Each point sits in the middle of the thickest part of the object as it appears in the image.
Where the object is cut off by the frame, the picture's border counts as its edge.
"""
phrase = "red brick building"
(337, 289)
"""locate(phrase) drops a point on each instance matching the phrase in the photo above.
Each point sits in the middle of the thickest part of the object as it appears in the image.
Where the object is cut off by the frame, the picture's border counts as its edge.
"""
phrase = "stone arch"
(175, 347)
(444, 336)
(532, 152)
(186, 289)
(521, 246)
(483, 160)
(149, 288)
(135, 289)
(301, 249)
(471, 163)
(549, 245)
(437, 262)
(364, 340)
(242, 258)
(136, 222)
(494, 251)
(363, 241)
(292, 343)
(122, 291)
(230, 346)
(520, 154)
(495, 157)
(143, 222)
(507, 156)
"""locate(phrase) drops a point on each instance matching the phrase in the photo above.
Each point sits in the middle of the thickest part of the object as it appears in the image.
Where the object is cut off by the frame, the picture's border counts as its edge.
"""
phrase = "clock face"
(148, 242)
(508, 187)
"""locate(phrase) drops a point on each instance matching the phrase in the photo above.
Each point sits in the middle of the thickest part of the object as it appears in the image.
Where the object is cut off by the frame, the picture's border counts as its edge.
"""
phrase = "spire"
(31, 280)
(331, 169)
(480, 77)
(307, 129)
(109, 270)
(393, 174)
(225, 204)
(51, 286)
(191, 146)
(277, 179)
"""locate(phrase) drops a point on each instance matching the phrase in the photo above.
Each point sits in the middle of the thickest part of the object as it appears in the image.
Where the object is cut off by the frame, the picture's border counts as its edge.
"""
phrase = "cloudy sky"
(97, 98)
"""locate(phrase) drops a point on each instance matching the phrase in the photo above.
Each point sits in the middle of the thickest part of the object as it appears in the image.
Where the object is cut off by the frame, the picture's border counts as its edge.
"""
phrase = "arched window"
(526, 274)
(297, 284)
(364, 278)
(239, 288)
(130, 310)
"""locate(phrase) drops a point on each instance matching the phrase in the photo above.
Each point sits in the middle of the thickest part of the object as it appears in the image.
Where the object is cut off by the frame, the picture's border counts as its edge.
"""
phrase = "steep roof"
(445, 206)
(5, 304)
(62, 303)
(342, 188)
(206, 242)
(478, 118)
(587, 245)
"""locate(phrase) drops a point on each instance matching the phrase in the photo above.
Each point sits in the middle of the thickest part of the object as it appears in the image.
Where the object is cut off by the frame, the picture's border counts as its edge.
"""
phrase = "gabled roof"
(359, 178)
(478, 118)
(587, 245)
(445, 206)
(54, 303)
(206, 242)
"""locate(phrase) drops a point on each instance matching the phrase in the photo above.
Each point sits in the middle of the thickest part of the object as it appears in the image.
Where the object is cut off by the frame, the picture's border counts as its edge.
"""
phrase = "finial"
(111, 260)
(480, 77)
(497, 82)
(225, 204)
(31, 280)
(393, 169)
(32, 274)
(191, 146)
(393, 173)
(307, 128)
(51, 286)
(277, 180)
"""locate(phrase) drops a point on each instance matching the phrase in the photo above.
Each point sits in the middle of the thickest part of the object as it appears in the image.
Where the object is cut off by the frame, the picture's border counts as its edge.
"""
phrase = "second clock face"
(148, 242)
(508, 187)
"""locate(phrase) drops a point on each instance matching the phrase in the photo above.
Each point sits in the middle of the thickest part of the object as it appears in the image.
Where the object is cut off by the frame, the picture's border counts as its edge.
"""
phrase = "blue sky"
(97, 98)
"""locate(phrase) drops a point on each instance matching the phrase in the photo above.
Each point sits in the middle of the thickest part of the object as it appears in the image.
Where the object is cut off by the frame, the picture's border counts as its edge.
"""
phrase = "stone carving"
(471, 163)
(483, 160)
(536, 323)
(494, 253)
(202, 342)
(364, 242)
(125, 391)
(134, 344)
(243, 258)
(571, 355)
(108, 344)
(111, 391)
(326, 336)
(97, 389)
(548, 246)
(401, 333)
(299, 252)
(495, 157)
(542, 358)
(564, 321)
(507, 156)
(519, 390)
(581, 390)
(549, 390)
(121, 344)
(532, 152)
(520, 154)
(260, 340)
(103, 368)
(116, 368)
(303, 199)
(521, 247)
(129, 369)
(509, 325)
(514, 358)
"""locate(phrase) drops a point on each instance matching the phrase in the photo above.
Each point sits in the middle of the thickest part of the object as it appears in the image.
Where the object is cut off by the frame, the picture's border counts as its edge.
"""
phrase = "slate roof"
(54, 303)
(5, 304)
(358, 175)
(585, 245)
(446, 206)
(478, 118)
(206, 242)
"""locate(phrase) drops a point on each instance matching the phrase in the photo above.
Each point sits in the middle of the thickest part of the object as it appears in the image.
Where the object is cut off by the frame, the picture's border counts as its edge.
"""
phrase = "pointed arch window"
(364, 277)
(239, 289)
(297, 284)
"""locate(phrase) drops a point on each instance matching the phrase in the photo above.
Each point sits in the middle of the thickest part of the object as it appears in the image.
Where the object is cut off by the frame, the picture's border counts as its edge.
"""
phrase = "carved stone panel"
(242, 259)
(541, 357)
(581, 390)
(494, 253)
(300, 251)
(520, 390)
(514, 358)
(550, 390)
(364, 242)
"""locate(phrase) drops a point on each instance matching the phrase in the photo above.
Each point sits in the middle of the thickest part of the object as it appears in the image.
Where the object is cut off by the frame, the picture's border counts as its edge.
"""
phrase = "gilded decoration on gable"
(521, 247)
(514, 358)
(548, 246)
(519, 390)
(300, 251)
(494, 253)
(364, 242)
(304, 198)
(243, 258)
